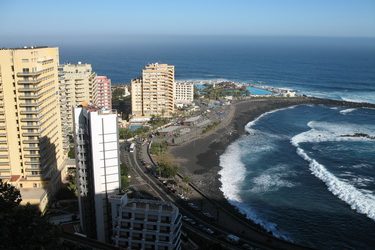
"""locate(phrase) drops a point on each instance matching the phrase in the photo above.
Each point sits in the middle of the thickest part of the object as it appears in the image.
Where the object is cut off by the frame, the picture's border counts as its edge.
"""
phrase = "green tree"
(23, 227)
(10, 196)
(71, 153)
(167, 169)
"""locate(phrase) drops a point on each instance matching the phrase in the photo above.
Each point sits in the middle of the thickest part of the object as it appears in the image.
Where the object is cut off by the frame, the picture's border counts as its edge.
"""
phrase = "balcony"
(30, 141)
(29, 112)
(31, 162)
(28, 148)
(29, 119)
(29, 81)
(34, 104)
(31, 156)
(36, 126)
(36, 73)
(31, 134)
(29, 97)
(29, 89)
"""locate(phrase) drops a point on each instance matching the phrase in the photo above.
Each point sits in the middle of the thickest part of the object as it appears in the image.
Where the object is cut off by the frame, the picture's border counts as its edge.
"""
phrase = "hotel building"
(184, 93)
(153, 93)
(145, 224)
(98, 168)
(102, 94)
(31, 152)
(76, 81)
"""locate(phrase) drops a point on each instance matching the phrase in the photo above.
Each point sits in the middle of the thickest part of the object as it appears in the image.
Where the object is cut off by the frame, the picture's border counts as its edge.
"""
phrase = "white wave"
(232, 175)
(232, 172)
(272, 180)
(334, 108)
(361, 202)
(325, 131)
(346, 111)
(253, 122)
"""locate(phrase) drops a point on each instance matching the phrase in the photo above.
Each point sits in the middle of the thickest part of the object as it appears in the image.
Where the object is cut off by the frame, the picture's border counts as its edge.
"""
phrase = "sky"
(93, 19)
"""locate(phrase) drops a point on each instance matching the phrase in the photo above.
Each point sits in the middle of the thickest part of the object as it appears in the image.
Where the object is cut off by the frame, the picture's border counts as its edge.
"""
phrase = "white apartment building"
(98, 168)
(184, 93)
(145, 224)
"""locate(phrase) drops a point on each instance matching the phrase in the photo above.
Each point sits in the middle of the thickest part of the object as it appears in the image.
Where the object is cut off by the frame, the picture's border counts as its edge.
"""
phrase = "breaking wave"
(232, 175)
(359, 200)
(346, 111)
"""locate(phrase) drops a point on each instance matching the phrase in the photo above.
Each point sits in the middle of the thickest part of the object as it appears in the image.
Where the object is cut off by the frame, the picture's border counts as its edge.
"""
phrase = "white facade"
(98, 168)
(184, 93)
(145, 224)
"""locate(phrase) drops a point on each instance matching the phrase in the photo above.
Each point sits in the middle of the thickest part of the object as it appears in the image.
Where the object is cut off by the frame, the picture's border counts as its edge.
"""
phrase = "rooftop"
(169, 129)
(193, 119)
(32, 193)
(25, 47)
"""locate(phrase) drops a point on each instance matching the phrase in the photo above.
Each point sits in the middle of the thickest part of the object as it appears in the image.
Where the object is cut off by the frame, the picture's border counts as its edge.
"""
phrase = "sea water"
(307, 174)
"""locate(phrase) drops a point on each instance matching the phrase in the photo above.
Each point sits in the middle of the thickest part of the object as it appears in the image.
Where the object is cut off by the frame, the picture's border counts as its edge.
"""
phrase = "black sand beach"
(199, 158)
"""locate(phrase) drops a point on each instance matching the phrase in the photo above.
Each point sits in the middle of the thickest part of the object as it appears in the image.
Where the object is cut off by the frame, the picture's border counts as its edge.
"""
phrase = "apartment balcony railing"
(36, 126)
(28, 148)
(30, 141)
(31, 156)
(29, 89)
(29, 97)
(30, 119)
(32, 162)
(33, 104)
(31, 134)
(31, 112)
(29, 81)
(36, 73)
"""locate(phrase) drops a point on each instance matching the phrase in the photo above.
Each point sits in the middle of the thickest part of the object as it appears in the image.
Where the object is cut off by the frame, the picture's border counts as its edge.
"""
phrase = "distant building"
(76, 86)
(154, 92)
(145, 224)
(288, 93)
(31, 144)
(184, 93)
(126, 91)
(98, 170)
(102, 94)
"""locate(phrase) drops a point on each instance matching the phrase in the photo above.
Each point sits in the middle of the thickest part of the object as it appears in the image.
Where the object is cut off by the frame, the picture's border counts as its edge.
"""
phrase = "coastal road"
(257, 239)
(154, 184)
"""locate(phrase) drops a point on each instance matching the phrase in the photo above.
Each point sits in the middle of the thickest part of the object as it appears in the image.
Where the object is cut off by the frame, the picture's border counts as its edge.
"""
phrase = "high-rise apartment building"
(76, 86)
(184, 93)
(31, 152)
(102, 95)
(154, 92)
(98, 170)
(145, 224)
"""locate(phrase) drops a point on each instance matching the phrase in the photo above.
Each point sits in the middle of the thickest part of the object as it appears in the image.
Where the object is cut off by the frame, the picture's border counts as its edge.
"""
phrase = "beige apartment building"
(76, 87)
(31, 153)
(154, 92)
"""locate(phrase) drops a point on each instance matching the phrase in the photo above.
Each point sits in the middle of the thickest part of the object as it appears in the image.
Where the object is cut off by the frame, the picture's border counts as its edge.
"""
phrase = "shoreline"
(200, 157)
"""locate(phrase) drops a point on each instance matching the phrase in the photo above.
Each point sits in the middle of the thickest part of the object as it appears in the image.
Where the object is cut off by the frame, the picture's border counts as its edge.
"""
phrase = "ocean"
(306, 173)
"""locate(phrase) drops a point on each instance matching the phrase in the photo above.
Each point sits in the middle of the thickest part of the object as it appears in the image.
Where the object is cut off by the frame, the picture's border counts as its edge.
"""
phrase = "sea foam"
(232, 176)
(346, 111)
(359, 200)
